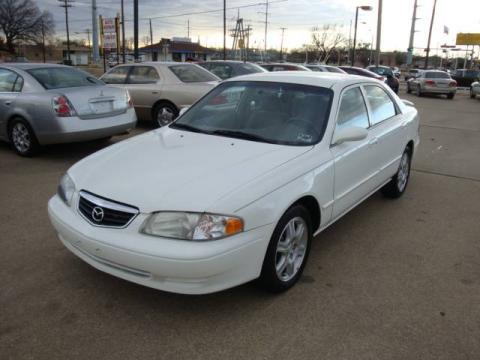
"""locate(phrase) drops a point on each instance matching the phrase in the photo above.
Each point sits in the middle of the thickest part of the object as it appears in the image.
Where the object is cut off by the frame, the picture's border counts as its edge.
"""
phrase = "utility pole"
(355, 37)
(43, 42)
(96, 51)
(379, 32)
(67, 4)
(249, 29)
(412, 35)
(188, 28)
(88, 37)
(224, 29)
(151, 38)
(135, 30)
(430, 34)
(266, 25)
(123, 32)
(281, 43)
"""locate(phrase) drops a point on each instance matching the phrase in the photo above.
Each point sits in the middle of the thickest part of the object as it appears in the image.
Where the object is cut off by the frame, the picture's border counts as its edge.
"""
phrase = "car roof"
(29, 66)
(311, 78)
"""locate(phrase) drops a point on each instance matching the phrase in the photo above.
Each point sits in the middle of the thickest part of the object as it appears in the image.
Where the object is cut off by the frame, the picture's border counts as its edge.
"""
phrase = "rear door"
(11, 85)
(355, 167)
(145, 87)
(387, 131)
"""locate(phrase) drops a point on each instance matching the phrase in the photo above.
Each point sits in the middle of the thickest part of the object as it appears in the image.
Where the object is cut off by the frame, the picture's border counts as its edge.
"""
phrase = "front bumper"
(171, 265)
(75, 129)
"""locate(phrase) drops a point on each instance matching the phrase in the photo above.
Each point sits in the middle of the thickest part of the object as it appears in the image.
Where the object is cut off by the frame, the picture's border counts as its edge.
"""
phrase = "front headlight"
(192, 226)
(66, 189)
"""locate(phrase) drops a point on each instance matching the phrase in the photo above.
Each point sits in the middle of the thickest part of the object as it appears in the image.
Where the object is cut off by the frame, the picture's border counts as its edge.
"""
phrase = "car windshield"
(63, 77)
(381, 71)
(192, 73)
(334, 70)
(437, 75)
(280, 113)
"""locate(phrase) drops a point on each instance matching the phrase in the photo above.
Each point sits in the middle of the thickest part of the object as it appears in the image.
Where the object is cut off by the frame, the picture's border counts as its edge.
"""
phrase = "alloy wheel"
(21, 137)
(165, 116)
(403, 172)
(291, 249)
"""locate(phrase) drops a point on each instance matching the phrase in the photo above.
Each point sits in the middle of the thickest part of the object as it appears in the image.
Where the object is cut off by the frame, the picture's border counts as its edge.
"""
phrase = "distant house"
(176, 49)
(79, 55)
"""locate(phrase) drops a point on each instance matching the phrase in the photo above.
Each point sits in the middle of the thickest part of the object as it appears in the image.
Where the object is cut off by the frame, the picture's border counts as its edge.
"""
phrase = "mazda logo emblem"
(97, 214)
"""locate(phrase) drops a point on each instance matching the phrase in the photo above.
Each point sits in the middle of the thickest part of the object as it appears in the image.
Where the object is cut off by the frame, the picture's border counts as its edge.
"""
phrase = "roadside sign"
(108, 25)
(468, 39)
(110, 41)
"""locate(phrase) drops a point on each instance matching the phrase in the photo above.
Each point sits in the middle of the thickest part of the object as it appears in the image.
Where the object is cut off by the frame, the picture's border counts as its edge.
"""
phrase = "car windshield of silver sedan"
(63, 77)
(279, 113)
(192, 74)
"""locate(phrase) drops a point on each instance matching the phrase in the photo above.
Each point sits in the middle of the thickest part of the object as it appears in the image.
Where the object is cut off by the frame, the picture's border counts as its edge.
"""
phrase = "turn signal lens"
(233, 226)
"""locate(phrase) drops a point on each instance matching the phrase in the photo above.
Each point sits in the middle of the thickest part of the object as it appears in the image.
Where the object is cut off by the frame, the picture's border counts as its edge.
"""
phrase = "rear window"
(436, 75)
(251, 68)
(192, 73)
(334, 70)
(63, 77)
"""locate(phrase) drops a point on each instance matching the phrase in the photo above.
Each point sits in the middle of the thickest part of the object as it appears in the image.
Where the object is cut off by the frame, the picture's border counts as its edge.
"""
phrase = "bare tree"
(23, 20)
(326, 40)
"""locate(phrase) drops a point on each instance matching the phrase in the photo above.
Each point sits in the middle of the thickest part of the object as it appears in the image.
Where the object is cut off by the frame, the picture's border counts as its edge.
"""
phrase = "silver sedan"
(160, 90)
(432, 82)
(48, 104)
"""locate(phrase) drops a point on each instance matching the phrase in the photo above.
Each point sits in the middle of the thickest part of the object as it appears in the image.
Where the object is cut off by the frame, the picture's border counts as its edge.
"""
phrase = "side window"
(7, 80)
(352, 111)
(381, 105)
(222, 71)
(117, 75)
(18, 84)
(143, 75)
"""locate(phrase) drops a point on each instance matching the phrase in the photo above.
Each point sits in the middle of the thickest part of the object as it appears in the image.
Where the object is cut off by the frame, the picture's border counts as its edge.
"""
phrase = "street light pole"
(364, 8)
(379, 32)
(224, 29)
(135, 30)
(430, 34)
(123, 32)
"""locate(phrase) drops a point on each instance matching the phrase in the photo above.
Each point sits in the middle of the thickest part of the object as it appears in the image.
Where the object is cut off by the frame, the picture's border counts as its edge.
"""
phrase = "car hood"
(169, 169)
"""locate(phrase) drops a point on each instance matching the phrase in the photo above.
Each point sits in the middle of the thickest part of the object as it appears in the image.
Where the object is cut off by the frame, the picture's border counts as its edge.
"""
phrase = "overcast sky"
(298, 16)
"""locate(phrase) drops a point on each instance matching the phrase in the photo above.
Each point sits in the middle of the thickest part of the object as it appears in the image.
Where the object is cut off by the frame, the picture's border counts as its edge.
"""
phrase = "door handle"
(8, 102)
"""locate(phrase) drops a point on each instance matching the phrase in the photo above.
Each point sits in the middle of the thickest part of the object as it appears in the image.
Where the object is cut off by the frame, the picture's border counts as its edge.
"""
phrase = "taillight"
(453, 83)
(430, 82)
(63, 107)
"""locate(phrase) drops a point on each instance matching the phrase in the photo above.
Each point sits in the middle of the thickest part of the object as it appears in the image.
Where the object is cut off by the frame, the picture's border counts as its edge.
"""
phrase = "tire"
(398, 184)
(22, 138)
(450, 96)
(418, 92)
(164, 113)
(472, 94)
(409, 91)
(285, 259)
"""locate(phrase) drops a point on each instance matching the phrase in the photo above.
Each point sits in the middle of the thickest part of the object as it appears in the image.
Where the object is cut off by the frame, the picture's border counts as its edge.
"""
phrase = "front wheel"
(23, 138)
(398, 184)
(419, 92)
(472, 94)
(450, 96)
(287, 251)
(409, 90)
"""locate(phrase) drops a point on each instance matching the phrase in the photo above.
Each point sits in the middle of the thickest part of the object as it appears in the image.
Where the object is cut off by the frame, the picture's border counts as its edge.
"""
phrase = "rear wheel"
(164, 113)
(472, 94)
(398, 184)
(23, 138)
(418, 92)
(450, 96)
(287, 251)
(409, 90)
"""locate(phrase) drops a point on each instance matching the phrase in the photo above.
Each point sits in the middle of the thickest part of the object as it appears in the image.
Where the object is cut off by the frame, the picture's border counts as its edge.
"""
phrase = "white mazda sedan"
(239, 185)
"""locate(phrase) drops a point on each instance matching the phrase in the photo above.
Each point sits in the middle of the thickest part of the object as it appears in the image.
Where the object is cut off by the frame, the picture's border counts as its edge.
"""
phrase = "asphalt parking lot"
(391, 280)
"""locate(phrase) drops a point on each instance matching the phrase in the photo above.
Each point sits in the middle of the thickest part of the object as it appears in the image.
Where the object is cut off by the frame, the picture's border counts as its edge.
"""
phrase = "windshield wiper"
(242, 135)
(188, 128)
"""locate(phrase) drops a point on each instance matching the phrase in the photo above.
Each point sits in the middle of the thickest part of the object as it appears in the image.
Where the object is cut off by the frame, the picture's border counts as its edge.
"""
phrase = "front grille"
(103, 212)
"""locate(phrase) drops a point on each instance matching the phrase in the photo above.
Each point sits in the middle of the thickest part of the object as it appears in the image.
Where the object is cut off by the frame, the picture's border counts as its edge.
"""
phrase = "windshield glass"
(63, 77)
(280, 113)
(248, 68)
(192, 73)
(437, 75)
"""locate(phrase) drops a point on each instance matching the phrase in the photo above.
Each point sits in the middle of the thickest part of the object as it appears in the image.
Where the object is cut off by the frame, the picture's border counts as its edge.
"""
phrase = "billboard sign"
(468, 39)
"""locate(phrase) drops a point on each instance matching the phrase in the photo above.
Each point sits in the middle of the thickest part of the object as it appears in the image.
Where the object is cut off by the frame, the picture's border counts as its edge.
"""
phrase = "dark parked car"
(465, 77)
(284, 67)
(228, 69)
(387, 73)
(324, 68)
(392, 82)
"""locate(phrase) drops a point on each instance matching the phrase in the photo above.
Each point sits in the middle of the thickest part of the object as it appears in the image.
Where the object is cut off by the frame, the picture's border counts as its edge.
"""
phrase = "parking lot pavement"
(391, 280)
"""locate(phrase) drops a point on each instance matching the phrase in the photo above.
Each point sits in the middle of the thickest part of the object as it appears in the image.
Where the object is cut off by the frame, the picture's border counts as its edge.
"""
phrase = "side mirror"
(183, 110)
(350, 133)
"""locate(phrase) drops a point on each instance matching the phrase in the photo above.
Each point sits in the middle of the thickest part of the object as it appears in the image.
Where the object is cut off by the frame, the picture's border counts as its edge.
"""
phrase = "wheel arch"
(162, 101)
(310, 203)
